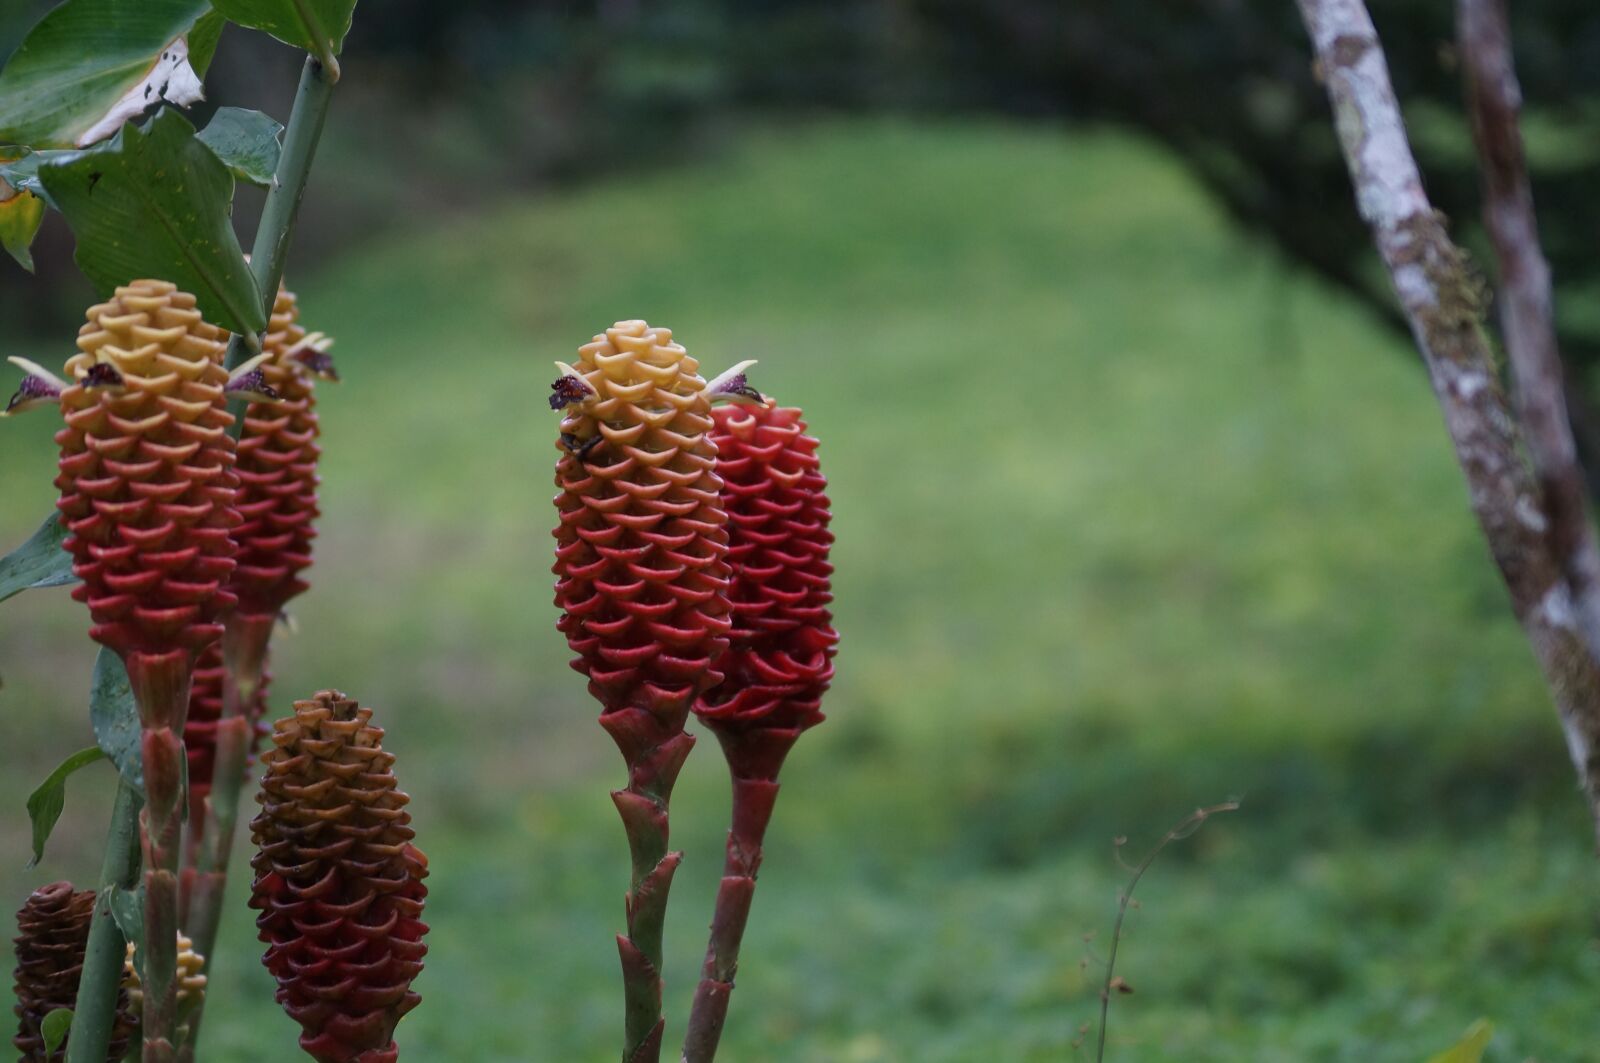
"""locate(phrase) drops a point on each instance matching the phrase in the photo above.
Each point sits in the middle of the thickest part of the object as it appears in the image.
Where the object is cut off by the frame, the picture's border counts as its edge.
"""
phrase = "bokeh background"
(1142, 502)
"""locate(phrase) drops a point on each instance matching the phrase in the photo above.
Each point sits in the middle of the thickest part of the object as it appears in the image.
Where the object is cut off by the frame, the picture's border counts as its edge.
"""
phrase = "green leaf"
(115, 718)
(127, 910)
(1471, 1047)
(246, 142)
(315, 26)
(90, 65)
(39, 562)
(203, 40)
(54, 1029)
(154, 202)
(20, 215)
(45, 803)
(22, 173)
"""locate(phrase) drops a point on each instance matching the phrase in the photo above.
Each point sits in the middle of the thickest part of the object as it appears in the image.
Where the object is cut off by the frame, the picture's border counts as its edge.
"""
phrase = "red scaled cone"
(147, 488)
(147, 492)
(642, 589)
(277, 466)
(779, 660)
(338, 882)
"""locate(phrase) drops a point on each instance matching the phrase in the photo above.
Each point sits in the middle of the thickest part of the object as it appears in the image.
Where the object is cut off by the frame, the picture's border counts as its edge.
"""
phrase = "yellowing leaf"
(20, 215)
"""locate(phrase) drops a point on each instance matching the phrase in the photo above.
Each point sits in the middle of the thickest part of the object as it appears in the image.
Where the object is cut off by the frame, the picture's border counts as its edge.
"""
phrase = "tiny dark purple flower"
(253, 385)
(102, 375)
(567, 390)
(34, 391)
(317, 360)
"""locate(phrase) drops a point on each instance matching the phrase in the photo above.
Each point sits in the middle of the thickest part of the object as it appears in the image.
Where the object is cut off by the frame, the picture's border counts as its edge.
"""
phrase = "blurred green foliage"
(1132, 517)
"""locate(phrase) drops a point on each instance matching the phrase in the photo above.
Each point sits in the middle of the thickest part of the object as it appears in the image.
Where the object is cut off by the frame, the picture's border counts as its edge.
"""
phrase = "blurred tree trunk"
(1441, 302)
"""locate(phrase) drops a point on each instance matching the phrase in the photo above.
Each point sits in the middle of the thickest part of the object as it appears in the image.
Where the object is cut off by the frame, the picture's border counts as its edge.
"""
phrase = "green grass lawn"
(1131, 518)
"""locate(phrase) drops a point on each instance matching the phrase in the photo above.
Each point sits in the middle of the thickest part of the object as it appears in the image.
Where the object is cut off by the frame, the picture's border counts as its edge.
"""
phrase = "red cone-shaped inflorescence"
(338, 882)
(200, 728)
(52, 935)
(642, 535)
(780, 654)
(277, 467)
(146, 481)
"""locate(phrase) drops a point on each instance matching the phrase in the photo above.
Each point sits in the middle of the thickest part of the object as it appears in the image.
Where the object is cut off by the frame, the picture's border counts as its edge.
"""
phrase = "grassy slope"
(1130, 518)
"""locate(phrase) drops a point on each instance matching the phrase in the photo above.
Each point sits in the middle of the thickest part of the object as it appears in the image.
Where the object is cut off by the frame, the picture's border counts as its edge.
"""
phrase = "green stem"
(244, 650)
(100, 986)
(300, 140)
(322, 45)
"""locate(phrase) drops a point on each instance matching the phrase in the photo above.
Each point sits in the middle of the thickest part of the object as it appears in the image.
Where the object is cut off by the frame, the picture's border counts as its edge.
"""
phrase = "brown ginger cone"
(52, 934)
(338, 882)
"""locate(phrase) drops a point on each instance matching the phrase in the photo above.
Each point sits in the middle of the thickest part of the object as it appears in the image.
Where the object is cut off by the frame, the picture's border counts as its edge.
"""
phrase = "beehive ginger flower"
(338, 881)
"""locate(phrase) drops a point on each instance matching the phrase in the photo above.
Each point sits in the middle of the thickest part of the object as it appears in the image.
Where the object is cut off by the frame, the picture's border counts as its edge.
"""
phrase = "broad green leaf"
(1471, 1047)
(312, 25)
(90, 65)
(45, 803)
(203, 40)
(154, 202)
(115, 717)
(39, 562)
(127, 909)
(20, 215)
(246, 142)
(54, 1029)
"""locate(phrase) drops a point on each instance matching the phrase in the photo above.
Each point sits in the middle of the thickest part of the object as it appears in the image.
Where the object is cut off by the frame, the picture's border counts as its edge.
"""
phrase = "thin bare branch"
(1184, 828)
(1442, 305)
(1527, 319)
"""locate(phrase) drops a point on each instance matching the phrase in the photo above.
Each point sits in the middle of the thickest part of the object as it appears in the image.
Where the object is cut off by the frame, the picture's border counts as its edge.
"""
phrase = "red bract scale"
(147, 489)
(642, 589)
(277, 468)
(338, 882)
(780, 653)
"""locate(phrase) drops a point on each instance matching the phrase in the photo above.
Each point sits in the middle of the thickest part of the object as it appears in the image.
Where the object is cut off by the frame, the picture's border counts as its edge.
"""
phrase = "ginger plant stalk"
(642, 584)
(778, 665)
(147, 493)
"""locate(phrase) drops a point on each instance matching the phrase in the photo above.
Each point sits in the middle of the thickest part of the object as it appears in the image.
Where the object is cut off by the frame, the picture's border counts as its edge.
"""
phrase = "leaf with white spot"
(90, 65)
(171, 80)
